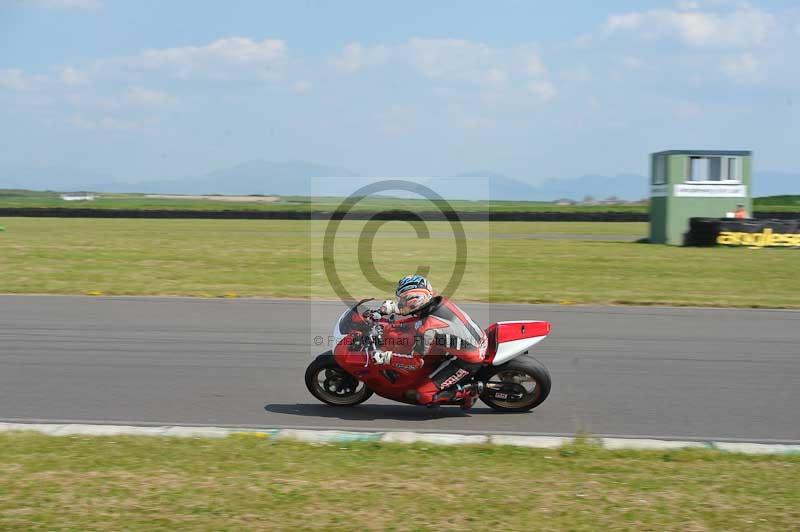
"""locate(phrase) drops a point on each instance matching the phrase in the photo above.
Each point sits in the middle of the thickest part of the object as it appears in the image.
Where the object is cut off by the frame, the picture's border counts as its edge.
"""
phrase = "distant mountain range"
(308, 178)
(48, 177)
(255, 177)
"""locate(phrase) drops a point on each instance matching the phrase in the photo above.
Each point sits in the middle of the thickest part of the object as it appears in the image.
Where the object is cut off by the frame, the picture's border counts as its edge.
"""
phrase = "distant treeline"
(783, 201)
(506, 216)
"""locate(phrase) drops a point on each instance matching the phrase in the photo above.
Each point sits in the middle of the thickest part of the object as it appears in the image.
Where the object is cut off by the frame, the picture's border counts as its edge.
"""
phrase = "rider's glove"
(381, 357)
(388, 307)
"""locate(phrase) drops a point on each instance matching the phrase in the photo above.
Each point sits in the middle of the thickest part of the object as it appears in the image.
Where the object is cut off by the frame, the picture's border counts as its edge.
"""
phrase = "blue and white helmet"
(413, 293)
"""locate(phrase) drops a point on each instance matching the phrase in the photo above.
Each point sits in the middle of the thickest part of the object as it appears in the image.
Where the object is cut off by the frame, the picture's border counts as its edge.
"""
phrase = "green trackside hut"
(695, 183)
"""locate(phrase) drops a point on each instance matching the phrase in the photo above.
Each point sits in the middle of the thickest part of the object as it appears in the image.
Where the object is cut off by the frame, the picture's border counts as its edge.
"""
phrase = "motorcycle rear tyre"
(523, 364)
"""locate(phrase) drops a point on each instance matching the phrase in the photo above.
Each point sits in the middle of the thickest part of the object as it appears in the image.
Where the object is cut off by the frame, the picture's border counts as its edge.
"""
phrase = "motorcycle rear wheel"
(522, 373)
(329, 383)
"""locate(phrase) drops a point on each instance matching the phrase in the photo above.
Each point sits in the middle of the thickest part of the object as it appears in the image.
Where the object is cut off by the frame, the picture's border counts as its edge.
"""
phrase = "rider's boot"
(471, 392)
(466, 394)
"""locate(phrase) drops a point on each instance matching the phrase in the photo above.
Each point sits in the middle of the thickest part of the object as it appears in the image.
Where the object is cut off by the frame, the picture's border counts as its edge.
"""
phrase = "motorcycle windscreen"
(342, 327)
(515, 337)
(347, 322)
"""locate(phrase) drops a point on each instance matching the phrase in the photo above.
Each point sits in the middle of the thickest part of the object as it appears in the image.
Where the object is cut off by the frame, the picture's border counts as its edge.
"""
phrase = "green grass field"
(506, 262)
(237, 483)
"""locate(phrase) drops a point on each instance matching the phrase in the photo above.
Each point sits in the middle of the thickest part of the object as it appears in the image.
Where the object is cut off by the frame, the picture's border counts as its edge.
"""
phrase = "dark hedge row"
(776, 215)
(56, 212)
(609, 216)
(61, 212)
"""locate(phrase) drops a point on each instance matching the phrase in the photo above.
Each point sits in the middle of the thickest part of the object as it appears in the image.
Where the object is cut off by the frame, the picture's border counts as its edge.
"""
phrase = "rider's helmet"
(413, 293)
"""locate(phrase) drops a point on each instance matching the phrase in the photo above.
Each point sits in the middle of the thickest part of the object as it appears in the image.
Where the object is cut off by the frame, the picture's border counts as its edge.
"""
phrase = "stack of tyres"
(745, 232)
(703, 231)
(782, 226)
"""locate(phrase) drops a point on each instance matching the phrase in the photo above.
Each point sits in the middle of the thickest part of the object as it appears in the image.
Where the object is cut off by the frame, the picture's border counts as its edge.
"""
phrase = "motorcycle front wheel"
(329, 383)
(519, 385)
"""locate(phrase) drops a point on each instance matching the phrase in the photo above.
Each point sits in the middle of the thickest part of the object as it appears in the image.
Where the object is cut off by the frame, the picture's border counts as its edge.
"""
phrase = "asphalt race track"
(632, 371)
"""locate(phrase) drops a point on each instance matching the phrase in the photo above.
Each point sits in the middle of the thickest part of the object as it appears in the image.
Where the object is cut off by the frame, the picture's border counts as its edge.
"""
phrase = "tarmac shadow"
(364, 412)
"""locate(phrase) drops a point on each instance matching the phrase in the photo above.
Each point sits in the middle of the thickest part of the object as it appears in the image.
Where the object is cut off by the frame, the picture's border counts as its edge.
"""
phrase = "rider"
(441, 328)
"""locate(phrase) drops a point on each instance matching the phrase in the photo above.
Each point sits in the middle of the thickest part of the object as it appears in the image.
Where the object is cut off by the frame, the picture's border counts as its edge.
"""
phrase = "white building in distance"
(77, 196)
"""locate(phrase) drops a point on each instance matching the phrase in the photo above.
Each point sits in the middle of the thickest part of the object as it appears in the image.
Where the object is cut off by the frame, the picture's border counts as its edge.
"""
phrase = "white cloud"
(688, 5)
(583, 41)
(109, 124)
(744, 68)
(686, 110)
(221, 59)
(450, 61)
(459, 60)
(477, 123)
(450, 58)
(147, 97)
(630, 62)
(397, 119)
(495, 77)
(301, 87)
(578, 74)
(476, 75)
(229, 59)
(71, 76)
(543, 90)
(356, 56)
(66, 4)
(745, 27)
(15, 79)
(532, 63)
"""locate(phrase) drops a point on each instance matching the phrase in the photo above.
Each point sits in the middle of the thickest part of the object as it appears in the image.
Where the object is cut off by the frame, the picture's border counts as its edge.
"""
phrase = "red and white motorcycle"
(513, 380)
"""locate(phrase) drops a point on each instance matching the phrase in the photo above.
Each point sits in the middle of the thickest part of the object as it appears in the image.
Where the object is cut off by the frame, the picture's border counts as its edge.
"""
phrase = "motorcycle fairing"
(507, 339)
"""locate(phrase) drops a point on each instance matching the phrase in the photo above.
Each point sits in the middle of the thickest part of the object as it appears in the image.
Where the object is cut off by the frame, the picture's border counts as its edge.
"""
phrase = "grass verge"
(148, 483)
(506, 262)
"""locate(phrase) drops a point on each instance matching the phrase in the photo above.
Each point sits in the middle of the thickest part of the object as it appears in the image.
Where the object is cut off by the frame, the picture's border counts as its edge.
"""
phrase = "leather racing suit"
(442, 328)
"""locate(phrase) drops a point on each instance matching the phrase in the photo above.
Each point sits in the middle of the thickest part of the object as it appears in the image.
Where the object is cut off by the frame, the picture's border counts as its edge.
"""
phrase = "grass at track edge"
(149, 483)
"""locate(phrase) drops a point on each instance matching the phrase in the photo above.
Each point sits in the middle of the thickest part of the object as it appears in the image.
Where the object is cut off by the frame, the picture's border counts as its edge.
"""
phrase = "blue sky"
(151, 90)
